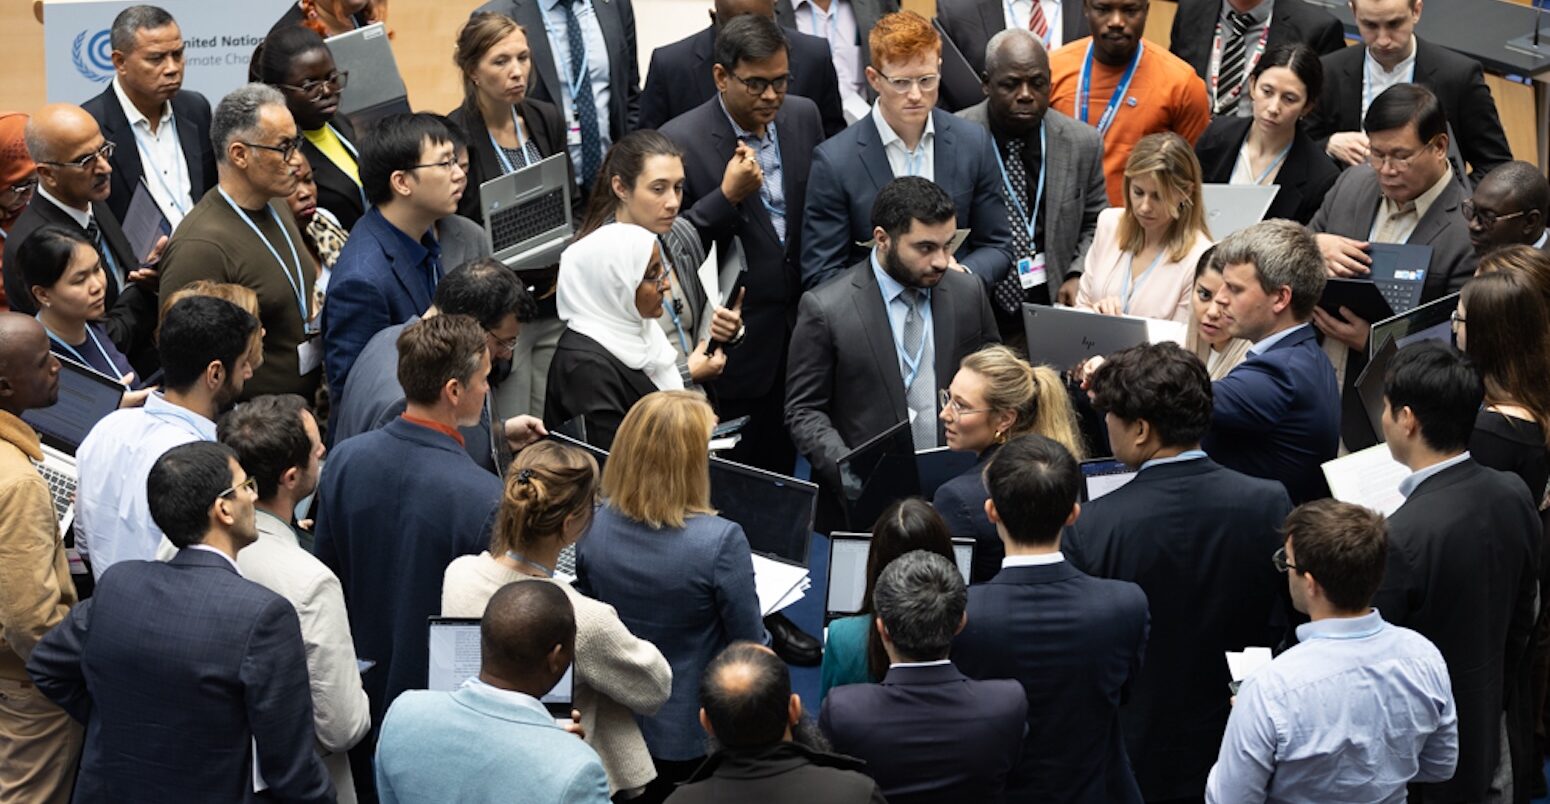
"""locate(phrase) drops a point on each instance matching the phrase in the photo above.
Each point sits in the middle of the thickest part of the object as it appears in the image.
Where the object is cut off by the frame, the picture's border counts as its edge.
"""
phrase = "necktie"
(1230, 75)
(94, 233)
(920, 395)
(1036, 21)
(1008, 293)
(584, 101)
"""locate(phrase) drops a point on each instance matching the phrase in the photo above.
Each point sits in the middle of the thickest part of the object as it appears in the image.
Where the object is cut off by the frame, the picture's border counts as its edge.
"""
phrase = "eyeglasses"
(1455, 318)
(317, 90)
(446, 164)
(902, 86)
(86, 162)
(1278, 558)
(661, 280)
(508, 345)
(945, 400)
(22, 188)
(757, 86)
(1400, 163)
(1486, 217)
(287, 150)
(247, 485)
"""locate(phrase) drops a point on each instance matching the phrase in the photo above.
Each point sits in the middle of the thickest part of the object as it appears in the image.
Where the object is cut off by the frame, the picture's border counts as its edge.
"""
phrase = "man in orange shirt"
(1126, 87)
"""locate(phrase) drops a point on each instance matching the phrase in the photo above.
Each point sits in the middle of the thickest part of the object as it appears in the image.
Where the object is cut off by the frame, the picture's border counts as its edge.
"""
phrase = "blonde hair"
(1035, 394)
(1169, 160)
(240, 295)
(482, 32)
(547, 483)
(659, 470)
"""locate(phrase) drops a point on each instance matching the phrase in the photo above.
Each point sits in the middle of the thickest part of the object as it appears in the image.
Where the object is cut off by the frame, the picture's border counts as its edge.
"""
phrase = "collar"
(742, 133)
(208, 549)
(1186, 455)
(82, 219)
(1040, 560)
(1404, 66)
(133, 113)
(415, 250)
(1342, 627)
(1260, 13)
(269, 524)
(937, 663)
(451, 432)
(512, 697)
(1263, 344)
(886, 132)
(157, 405)
(553, 5)
(1543, 236)
(1408, 485)
(891, 287)
(18, 433)
(1424, 201)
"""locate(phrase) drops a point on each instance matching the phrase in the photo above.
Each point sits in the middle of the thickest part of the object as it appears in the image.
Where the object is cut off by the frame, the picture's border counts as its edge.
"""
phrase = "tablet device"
(85, 397)
(775, 511)
(876, 474)
(1062, 337)
(1102, 476)
(1369, 389)
(455, 655)
(848, 554)
(598, 453)
(1360, 296)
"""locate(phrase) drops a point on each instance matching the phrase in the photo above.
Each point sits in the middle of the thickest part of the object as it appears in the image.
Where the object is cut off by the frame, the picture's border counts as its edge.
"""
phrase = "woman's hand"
(704, 367)
(1110, 306)
(727, 322)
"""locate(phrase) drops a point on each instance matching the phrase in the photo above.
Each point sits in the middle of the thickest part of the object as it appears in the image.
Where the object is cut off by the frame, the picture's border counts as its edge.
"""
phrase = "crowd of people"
(336, 405)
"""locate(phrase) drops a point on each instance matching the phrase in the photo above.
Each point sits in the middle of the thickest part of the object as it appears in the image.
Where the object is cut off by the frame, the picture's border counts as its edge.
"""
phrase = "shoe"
(792, 643)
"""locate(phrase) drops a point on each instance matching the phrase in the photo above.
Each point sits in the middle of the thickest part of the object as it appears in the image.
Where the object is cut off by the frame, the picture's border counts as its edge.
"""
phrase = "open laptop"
(1361, 423)
(875, 474)
(1104, 475)
(376, 89)
(961, 86)
(775, 511)
(1061, 337)
(527, 214)
(85, 397)
(573, 434)
(1432, 321)
(455, 654)
(1232, 207)
(848, 553)
(1399, 271)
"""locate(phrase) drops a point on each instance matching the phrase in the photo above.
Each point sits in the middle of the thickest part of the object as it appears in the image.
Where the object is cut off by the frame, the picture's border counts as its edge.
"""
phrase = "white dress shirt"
(222, 553)
(161, 159)
(903, 162)
(597, 68)
(1017, 13)
(837, 26)
(1375, 78)
(1038, 560)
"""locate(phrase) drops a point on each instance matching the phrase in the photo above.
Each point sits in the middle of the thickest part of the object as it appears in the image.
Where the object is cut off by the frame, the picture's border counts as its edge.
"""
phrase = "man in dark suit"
(904, 136)
(679, 78)
(1216, 36)
(1047, 257)
(1463, 558)
(185, 673)
(844, 25)
(971, 23)
(1391, 53)
(162, 132)
(927, 732)
(864, 362)
(1508, 208)
(1074, 642)
(779, 132)
(1277, 415)
(1200, 558)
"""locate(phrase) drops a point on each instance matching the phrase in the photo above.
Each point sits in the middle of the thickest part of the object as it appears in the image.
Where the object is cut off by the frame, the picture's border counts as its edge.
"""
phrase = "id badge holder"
(573, 132)
(1030, 271)
(309, 355)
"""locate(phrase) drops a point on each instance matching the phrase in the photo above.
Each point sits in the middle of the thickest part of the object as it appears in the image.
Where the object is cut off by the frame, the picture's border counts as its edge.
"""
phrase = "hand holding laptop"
(1343, 256)
(1350, 329)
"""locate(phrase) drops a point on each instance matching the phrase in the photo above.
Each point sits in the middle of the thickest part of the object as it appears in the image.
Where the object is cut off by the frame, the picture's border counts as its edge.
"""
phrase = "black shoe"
(792, 643)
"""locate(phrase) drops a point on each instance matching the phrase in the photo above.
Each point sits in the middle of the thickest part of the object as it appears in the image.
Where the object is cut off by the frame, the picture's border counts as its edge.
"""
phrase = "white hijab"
(596, 297)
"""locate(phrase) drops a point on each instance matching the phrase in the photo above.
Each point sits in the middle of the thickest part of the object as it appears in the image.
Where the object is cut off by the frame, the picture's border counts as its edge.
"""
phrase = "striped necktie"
(1230, 76)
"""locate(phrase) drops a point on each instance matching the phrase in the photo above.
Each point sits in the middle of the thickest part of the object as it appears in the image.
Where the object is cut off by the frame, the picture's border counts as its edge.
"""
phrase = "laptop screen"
(455, 656)
(1103, 476)
(1430, 322)
(876, 474)
(85, 396)
(848, 554)
(776, 511)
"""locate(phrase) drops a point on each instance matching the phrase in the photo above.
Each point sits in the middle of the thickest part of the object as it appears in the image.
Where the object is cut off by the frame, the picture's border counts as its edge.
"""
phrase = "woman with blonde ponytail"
(551, 490)
(994, 397)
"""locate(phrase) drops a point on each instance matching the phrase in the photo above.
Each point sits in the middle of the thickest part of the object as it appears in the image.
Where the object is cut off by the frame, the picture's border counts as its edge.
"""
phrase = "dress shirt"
(424, 254)
(597, 68)
(898, 310)
(1352, 713)
(767, 150)
(1375, 79)
(1017, 14)
(1395, 222)
(1253, 49)
(1186, 455)
(899, 157)
(208, 549)
(1263, 344)
(112, 517)
(837, 26)
(1407, 486)
(161, 158)
(937, 663)
(1543, 236)
(1037, 560)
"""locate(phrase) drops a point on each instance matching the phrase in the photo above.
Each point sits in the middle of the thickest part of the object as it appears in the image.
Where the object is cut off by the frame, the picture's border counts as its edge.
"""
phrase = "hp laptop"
(1062, 337)
(85, 397)
(1231, 207)
(527, 214)
(848, 553)
(1099, 477)
(376, 90)
(455, 656)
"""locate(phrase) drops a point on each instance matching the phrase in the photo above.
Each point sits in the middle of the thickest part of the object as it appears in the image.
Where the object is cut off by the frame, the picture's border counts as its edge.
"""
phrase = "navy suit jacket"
(1197, 538)
(191, 113)
(930, 734)
(961, 502)
(850, 168)
(1075, 643)
(1277, 415)
(177, 669)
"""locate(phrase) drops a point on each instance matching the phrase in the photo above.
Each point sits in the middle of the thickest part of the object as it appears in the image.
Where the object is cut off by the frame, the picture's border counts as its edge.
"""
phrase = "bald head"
(745, 697)
(1017, 82)
(29, 375)
(527, 637)
(55, 129)
(62, 138)
(1517, 196)
(1014, 45)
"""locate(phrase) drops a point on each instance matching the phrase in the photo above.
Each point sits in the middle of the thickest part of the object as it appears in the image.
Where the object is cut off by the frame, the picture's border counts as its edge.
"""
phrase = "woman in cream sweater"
(550, 493)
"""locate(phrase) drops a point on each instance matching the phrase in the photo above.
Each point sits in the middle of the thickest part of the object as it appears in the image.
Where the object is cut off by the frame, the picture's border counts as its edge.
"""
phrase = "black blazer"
(545, 124)
(1304, 178)
(961, 502)
(967, 753)
(773, 281)
(1197, 538)
(585, 379)
(337, 192)
(971, 23)
(867, 13)
(191, 112)
(1075, 643)
(679, 78)
(1457, 80)
(1292, 21)
(1462, 570)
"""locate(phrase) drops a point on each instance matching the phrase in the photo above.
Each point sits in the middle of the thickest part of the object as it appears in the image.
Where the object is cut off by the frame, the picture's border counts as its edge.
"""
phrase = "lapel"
(873, 157)
(874, 322)
(116, 128)
(943, 333)
(701, 59)
(407, 274)
(531, 17)
(1347, 85)
(942, 160)
(188, 140)
(1443, 212)
(1425, 68)
(1364, 207)
(613, 36)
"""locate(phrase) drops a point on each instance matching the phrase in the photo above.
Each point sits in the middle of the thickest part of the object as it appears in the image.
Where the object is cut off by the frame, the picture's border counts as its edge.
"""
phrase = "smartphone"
(729, 427)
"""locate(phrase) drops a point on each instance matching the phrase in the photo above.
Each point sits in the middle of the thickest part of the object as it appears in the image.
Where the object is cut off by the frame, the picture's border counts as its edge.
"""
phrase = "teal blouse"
(844, 657)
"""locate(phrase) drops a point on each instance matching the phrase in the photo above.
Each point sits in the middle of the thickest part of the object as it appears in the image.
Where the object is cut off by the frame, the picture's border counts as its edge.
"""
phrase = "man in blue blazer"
(1073, 641)
(904, 135)
(1277, 415)
(184, 672)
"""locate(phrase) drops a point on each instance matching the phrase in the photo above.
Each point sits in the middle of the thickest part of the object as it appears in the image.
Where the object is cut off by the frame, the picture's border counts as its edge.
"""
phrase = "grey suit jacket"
(1073, 181)
(843, 383)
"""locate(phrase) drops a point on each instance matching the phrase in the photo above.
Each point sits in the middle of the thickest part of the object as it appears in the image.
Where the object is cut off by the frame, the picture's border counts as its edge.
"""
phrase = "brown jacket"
(35, 587)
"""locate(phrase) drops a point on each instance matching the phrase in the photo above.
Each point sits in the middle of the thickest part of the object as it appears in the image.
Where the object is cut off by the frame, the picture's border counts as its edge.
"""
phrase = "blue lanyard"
(500, 153)
(79, 358)
(297, 283)
(1084, 89)
(672, 306)
(521, 559)
(145, 156)
(1028, 217)
(912, 364)
(828, 20)
(1126, 291)
(1368, 63)
(1260, 179)
(572, 84)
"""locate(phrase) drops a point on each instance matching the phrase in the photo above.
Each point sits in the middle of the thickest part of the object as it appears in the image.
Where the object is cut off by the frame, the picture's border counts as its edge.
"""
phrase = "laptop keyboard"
(566, 563)
(61, 487)
(514, 224)
(1399, 295)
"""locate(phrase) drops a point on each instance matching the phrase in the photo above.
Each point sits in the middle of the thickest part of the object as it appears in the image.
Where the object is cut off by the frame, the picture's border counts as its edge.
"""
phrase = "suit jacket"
(337, 192)
(843, 383)
(545, 124)
(774, 278)
(784, 773)
(617, 20)
(1074, 181)
(1075, 644)
(850, 168)
(930, 733)
(1305, 177)
(680, 79)
(1277, 415)
(1202, 558)
(1458, 82)
(1291, 22)
(585, 379)
(423, 754)
(1462, 571)
(961, 502)
(867, 13)
(971, 23)
(191, 112)
(177, 670)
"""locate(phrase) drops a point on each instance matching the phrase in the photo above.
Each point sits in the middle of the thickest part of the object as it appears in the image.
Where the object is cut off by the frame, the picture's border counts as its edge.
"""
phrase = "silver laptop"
(376, 89)
(848, 553)
(1231, 207)
(527, 214)
(1061, 337)
(85, 397)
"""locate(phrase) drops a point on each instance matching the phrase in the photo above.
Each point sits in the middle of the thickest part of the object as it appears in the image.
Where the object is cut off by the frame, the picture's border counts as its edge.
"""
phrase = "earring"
(1000, 436)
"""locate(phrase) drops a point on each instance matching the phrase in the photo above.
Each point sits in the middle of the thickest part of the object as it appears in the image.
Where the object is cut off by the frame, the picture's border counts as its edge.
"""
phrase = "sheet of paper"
(1165, 331)
(853, 106)
(1244, 664)
(710, 278)
(774, 581)
(143, 224)
(959, 236)
(1370, 477)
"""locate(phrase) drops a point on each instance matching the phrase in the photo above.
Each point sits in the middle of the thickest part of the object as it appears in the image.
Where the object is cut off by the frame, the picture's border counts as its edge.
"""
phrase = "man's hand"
(1349, 147)
(1068, 288)
(1352, 331)
(574, 726)
(1110, 306)
(743, 176)
(704, 367)
(1343, 256)
(523, 430)
(726, 322)
(147, 274)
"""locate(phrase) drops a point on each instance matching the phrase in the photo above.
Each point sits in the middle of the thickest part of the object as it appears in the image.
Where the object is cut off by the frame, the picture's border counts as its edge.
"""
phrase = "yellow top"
(332, 147)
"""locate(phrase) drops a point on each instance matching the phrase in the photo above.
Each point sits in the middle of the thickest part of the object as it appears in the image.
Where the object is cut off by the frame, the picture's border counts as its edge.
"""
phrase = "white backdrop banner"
(219, 36)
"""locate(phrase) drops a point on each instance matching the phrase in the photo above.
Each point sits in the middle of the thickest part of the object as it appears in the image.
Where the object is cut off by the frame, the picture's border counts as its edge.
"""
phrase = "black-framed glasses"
(902, 86)
(1278, 558)
(88, 161)
(1455, 318)
(1486, 217)
(250, 484)
(287, 150)
(22, 188)
(757, 86)
(317, 90)
(446, 164)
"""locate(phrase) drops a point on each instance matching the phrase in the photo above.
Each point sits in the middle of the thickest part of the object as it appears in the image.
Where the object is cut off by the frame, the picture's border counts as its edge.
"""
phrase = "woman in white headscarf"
(613, 352)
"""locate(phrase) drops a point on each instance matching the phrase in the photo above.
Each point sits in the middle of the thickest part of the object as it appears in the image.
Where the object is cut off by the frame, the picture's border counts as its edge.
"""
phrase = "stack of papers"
(779, 584)
(1368, 478)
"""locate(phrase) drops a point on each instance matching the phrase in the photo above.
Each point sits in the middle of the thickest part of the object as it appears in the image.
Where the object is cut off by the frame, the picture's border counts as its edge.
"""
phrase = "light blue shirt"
(1354, 712)
(1186, 455)
(1407, 486)
(898, 310)
(1263, 344)
(597, 68)
(112, 518)
(772, 192)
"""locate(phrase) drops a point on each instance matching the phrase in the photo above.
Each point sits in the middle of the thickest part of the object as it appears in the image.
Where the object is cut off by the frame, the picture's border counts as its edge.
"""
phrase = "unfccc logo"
(97, 56)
